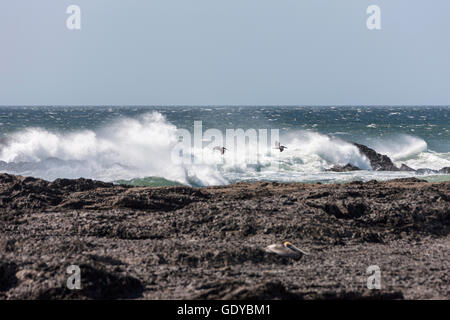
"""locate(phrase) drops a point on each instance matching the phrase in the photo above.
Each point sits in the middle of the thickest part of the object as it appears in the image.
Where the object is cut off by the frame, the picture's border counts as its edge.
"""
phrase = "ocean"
(134, 145)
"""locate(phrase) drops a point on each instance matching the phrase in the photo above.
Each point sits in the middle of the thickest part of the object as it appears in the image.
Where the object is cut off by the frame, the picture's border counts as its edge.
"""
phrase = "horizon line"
(226, 105)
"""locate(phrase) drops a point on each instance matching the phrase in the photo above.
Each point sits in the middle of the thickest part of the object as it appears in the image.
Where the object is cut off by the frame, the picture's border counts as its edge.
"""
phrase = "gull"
(286, 250)
(221, 149)
(279, 146)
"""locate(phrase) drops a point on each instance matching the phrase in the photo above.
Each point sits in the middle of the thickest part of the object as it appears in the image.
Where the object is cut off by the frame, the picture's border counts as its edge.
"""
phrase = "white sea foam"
(401, 147)
(126, 149)
(141, 147)
(431, 160)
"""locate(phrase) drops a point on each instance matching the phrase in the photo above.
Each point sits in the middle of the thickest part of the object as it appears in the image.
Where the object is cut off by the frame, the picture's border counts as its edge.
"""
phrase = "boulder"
(404, 167)
(426, 171)
(378, 162)
(346, 168)
(445, 170)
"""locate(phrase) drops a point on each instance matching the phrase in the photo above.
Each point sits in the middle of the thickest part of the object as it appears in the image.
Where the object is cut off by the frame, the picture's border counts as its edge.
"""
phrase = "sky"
(228, 52)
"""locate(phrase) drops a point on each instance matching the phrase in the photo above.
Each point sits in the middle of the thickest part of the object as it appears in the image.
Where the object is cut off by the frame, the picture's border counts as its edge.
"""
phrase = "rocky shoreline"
(381, 162)
(208, 243)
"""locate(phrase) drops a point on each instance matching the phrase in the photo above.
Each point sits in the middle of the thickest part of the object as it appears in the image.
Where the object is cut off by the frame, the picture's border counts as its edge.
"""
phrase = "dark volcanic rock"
(445, 170)
(26, 193)
(381, 162)
(347, 167)
(241, 291)
(343, 210)
(97, 284)
(426, 171)
(404, 167)
(8, 277)
(378, 162)
(277, 291)
(187, 243)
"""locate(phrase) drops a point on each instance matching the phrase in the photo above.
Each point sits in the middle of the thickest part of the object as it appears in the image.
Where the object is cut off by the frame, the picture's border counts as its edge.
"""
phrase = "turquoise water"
(134, 143)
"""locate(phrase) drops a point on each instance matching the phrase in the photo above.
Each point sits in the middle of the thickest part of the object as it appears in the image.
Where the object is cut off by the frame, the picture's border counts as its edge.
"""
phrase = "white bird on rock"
(286, 250)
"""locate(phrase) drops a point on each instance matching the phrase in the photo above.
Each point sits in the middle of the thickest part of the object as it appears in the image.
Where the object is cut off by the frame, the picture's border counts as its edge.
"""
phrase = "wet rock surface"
(378, 162)
(404, 167)
(346, 168)
(445, 170)
(381, 162)
(208, 243)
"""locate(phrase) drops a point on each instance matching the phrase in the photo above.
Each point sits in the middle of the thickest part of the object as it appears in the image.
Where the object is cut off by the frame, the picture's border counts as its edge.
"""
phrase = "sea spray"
(401, 147)
(126, 149)
(142, 145)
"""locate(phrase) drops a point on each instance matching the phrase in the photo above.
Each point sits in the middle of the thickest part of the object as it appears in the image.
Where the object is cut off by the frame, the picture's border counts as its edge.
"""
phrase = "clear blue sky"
(227, 52)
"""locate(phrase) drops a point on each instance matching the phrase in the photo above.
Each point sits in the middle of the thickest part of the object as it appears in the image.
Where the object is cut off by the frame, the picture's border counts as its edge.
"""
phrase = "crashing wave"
(141, 147)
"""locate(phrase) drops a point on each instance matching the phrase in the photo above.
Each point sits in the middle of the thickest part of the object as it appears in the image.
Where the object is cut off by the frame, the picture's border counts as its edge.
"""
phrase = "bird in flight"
(279, 146)
(221, 149)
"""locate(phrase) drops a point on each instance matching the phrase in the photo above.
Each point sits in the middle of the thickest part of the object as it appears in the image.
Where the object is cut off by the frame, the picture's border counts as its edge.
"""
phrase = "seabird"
(287, 250)
(279, 146)
(221, 149)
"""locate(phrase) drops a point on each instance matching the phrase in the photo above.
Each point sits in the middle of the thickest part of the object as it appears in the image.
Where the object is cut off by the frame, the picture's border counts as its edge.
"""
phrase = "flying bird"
(286, 250)
(279, 146)
(221, 149)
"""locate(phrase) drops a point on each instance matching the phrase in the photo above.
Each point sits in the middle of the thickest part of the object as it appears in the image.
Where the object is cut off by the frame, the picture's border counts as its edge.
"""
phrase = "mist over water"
(125, 149)
(136, 144)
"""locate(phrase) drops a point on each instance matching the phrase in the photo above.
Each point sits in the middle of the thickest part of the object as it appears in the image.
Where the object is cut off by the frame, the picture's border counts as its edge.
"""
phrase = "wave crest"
(401, 147)
(126, 149)
(141, 147)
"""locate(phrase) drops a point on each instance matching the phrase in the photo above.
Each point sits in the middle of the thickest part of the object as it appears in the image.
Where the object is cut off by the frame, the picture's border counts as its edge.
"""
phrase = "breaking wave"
(142, 147)
(126, 149)
(412, 151)
(401, 147)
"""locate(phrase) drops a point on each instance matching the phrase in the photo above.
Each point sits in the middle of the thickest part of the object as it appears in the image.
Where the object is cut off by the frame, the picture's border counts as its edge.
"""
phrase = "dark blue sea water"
(124, 143)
